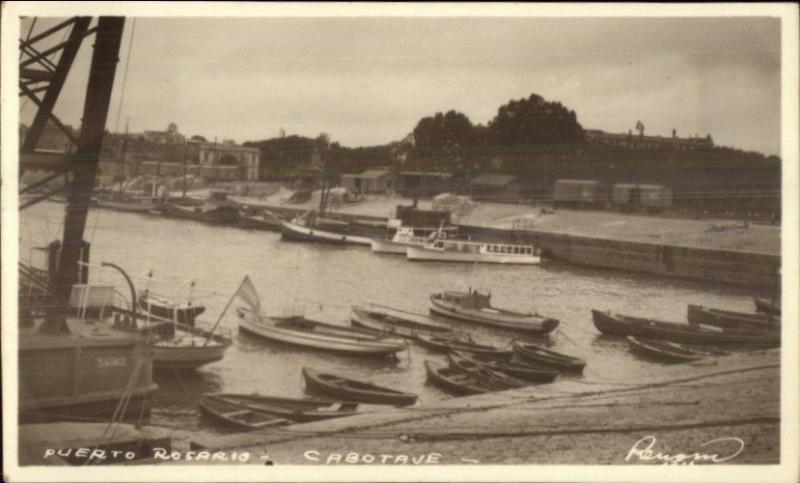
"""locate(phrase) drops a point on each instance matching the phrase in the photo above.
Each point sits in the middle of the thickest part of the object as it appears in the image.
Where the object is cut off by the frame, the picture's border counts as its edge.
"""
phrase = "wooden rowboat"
(458, 382)
(293, 409)
(299, 331)
(664, 351)
(520, 371)
(475, 307)
(622, 325)
(480, 351)
(697, 314)
(478, 369)
(234, 415)
(395, 322)
(344, 389)
(545, 357)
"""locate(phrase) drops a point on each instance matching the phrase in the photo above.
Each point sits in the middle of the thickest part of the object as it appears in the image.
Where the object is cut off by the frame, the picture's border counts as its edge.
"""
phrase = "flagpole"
(211, 332)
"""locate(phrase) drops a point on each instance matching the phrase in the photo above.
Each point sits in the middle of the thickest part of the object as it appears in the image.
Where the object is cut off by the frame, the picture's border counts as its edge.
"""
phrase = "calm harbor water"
(324, 281)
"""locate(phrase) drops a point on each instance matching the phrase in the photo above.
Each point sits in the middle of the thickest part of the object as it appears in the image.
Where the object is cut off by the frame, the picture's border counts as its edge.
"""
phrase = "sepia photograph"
(399, 242)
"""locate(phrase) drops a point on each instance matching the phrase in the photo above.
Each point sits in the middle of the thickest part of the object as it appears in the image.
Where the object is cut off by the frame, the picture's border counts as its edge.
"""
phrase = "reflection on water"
(326, 280)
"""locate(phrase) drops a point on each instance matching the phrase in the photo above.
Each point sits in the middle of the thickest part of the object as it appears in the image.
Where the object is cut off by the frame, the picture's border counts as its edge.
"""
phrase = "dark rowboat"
(520, 371)
(698, 314)
(293, 409)
(395, 322)
(221, 215)
(478, 369)
(545, 357)
(767, 306)
(344, 389)
(234, 415)
(444, 344)
(458, 382)
(664, 351)
(623, 325)
(475, 307)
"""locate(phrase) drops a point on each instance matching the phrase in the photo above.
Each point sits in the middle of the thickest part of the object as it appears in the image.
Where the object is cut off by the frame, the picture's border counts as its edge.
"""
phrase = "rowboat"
(545, 357)
(344, 389)
(457, 250)
(664, 351)
(478, 369)
(767, 306)
(392, 321)
(293, 409)
(475, 306)
(458, 382)
(622, 325)
(445, 344)
(234, 415)
(215, 214)
(300, 331)
(520, 371)
(698, 314)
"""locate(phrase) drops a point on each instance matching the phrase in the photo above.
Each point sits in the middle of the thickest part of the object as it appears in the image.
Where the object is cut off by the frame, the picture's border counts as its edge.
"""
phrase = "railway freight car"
(579, 193)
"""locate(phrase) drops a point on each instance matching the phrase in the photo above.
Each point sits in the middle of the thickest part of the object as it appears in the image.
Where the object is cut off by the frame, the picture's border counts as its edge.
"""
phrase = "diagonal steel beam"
(51, 30)
(95, 114)
(43, 55)
(45, 111)
(52, 117)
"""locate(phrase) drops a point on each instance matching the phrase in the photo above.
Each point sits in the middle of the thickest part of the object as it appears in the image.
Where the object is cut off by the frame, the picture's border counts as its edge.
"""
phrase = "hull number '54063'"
(107, 362)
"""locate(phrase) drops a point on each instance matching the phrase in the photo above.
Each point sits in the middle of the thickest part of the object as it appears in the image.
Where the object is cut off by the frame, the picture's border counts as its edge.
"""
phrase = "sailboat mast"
(124, 155)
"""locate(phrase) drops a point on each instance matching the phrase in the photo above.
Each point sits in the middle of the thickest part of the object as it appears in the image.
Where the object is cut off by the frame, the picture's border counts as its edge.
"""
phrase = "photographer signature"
(643, 450)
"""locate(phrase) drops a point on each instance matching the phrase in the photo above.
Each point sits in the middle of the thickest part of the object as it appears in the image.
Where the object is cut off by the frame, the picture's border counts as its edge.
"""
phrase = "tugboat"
(217, 209)
(475, 306)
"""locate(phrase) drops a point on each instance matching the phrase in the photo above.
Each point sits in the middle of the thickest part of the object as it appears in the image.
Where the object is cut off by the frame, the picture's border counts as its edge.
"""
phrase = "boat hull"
(126, 206)
(218, 216)
(662, 352)
(376, 347)
(546, 358)
(533, 325)
(697, 314)
(384, 323)
(422, 254)
(456, 381)
(322, 384)
(388, 246)
(294, 232)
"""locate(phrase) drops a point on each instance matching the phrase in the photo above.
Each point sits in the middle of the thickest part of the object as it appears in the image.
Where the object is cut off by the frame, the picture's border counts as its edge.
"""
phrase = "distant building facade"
(424, 184)
(170, 136)
(371, 181)
(641, 142)
(228, 154)
(495, 187)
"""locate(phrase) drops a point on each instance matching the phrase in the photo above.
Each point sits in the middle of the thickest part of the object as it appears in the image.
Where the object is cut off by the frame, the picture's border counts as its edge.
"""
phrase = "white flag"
(247, 292)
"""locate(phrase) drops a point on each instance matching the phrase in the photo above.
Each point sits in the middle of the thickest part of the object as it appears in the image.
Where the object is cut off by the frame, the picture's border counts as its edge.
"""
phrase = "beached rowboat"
(697, 314)
(664, 351)
(545, 357)
(480, 351)
(344, 389)
(520, 371)
(235, 415)
(457, 381)
(293, 409)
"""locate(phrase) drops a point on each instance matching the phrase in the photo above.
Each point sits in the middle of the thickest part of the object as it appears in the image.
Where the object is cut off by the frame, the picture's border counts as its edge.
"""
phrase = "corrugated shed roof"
(493, 179)
(374, 173)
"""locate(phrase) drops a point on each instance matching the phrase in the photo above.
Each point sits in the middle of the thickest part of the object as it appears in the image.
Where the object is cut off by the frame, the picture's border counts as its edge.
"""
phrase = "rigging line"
(28, 37)
(125, 76)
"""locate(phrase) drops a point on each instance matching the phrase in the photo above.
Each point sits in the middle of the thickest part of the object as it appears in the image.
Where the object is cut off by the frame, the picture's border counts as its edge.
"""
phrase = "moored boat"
(302, 332)
(767, 306)
(234, 415)
(520, 371)
(622, 325)
(386, 320)
(457, 381)
(294, 409)
(475, 306)
(307, 228)
(664, 351)
(545, 357)
(344, 389)
(140, 204)
(457, 250)
(217, 209)
(697, 315)
(481, 351)
(405, 236)
(478, 369)
(162, 308)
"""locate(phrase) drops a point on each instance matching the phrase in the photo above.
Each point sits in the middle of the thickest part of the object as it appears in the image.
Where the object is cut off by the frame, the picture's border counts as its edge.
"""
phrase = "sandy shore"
(570, 421)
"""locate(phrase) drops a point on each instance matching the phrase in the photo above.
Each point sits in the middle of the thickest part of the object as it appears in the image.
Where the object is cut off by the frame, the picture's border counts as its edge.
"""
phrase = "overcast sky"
(368, 81)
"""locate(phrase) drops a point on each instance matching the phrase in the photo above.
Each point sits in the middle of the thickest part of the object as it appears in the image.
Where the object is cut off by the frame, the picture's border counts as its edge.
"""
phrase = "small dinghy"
(480, 370)
(457, 381)
(395, 322)
(699, 315)
(538, 355)
(520, 371)
(293, 409)
(344, 389)
(480, 351)
(668, 351)
(234, 415)
(767, 306)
